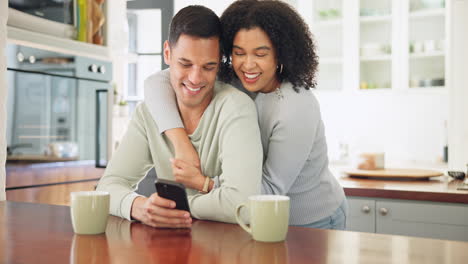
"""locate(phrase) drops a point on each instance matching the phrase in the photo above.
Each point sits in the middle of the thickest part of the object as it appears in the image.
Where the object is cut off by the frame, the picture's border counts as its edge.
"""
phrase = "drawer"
(361, 215)
(433, 220)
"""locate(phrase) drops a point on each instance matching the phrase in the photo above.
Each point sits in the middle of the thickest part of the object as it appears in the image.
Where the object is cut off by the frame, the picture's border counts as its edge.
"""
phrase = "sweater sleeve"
(124, 171)
(241, 159)
(161, 102)
(290, 144)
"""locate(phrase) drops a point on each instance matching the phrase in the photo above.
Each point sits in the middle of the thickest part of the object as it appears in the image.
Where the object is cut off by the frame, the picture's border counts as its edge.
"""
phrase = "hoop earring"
(281, 68)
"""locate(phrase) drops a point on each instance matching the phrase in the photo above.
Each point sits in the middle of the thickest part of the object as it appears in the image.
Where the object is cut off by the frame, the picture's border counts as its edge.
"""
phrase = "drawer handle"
(365, 209)
(383, 211)
(102, 69)
(93, 68)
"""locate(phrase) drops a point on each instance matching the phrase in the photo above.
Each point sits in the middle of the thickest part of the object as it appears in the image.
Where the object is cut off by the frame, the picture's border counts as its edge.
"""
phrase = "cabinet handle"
(93, 68)
(383, 211)
(365, 209)
(102, 69)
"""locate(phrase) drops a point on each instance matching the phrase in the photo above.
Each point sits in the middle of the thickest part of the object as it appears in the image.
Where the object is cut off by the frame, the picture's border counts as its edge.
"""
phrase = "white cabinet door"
(327, 24)
(361, 216)
(426, 48)
(148, 31)
(422, 219)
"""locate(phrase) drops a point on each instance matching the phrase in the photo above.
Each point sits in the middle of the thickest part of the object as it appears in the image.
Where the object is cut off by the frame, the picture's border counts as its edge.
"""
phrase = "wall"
(407, 126)
(10, 84)
(117, 41)
(3, 96)
(458, 125)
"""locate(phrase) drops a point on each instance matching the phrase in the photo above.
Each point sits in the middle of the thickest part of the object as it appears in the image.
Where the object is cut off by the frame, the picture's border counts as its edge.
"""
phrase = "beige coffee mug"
(269, 217)
(89, 212)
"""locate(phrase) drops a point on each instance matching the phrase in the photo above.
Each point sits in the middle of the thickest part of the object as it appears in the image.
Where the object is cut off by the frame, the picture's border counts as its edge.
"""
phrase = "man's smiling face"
(194, 63)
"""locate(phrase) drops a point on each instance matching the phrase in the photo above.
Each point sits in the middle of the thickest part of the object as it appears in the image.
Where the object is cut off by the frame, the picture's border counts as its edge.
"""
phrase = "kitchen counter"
(50, 183)
(37, 158)
(20, 176)
(436, 189)
(32, 229)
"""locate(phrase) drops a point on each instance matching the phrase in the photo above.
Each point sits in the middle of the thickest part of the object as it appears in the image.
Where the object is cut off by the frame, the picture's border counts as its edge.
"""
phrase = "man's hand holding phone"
(160, 212)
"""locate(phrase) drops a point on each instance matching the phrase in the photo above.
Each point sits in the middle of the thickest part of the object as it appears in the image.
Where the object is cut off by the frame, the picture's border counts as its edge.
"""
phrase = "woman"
(268, 52)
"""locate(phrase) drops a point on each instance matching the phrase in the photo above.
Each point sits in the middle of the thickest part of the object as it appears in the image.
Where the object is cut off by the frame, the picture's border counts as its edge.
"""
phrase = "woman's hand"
(188, 174)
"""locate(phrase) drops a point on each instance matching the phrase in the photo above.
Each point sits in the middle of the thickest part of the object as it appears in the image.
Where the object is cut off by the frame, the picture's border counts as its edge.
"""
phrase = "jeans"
(337, 220)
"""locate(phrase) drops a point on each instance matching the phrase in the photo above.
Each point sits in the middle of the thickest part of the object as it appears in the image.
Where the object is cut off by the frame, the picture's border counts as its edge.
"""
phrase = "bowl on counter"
(62, 149)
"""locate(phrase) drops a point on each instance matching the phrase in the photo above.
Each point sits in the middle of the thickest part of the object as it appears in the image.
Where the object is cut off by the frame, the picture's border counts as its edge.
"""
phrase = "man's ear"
(167, 53)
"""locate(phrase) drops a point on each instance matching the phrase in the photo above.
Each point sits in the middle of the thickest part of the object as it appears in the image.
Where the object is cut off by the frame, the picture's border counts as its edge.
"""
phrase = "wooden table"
(38, 233)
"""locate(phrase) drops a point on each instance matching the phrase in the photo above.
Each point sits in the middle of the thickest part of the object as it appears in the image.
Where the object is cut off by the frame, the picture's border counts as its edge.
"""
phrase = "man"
(222, 124)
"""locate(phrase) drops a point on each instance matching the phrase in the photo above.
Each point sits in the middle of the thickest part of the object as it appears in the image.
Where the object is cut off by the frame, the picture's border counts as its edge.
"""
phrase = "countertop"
(39, 233)
(37, 158)
(435, 189)
(20, 176)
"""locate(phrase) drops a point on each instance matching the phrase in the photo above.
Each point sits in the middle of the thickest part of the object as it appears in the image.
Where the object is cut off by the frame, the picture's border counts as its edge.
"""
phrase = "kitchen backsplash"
(408, 127)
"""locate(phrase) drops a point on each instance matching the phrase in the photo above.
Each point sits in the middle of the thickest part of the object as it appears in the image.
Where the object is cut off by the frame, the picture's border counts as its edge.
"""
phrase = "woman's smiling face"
(254, 60)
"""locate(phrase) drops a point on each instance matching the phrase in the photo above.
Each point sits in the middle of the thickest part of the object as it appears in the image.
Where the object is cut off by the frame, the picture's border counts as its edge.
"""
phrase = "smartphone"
(173, 191)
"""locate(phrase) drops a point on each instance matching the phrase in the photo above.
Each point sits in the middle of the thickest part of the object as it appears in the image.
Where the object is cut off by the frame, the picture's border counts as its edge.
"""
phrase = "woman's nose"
(250, 63)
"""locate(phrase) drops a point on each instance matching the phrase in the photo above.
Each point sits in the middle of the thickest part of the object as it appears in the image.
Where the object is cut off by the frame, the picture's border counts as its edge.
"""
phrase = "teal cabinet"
(408, 218)
(361, 216)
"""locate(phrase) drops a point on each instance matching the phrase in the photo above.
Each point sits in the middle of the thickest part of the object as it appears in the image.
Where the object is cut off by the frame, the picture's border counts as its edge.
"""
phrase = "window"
(145, 51)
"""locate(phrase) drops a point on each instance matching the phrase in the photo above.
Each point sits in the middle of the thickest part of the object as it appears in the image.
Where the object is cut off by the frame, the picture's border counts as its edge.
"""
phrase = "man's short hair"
(195, 21)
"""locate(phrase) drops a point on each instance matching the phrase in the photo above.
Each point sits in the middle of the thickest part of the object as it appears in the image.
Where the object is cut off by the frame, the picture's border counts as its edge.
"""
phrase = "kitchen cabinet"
(426, 48)
(327, 26)
(361, 215)
(367, 44)
(375, 44)
(409, 218)
(377, 92)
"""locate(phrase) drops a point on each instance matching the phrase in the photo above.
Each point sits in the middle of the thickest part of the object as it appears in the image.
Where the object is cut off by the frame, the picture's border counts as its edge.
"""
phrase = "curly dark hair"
(288, 32)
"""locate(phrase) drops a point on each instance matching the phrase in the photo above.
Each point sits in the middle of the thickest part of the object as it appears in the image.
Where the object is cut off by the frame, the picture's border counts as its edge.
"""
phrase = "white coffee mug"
(269, 217)
(89, 211)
